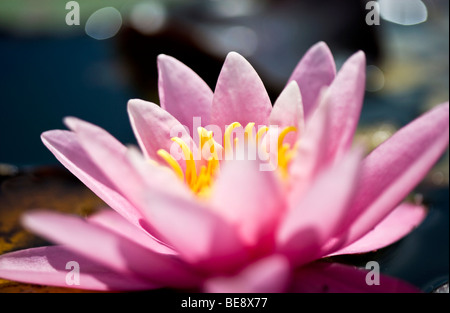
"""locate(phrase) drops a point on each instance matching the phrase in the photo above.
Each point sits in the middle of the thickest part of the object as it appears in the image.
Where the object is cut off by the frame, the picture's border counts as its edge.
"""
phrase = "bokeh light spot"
(104, 23)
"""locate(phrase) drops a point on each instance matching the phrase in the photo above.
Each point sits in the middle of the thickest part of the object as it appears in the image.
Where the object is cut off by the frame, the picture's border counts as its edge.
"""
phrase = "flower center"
(200, 172)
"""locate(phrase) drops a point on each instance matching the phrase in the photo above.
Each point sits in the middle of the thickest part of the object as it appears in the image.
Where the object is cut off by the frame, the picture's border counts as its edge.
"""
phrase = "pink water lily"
(217, 224)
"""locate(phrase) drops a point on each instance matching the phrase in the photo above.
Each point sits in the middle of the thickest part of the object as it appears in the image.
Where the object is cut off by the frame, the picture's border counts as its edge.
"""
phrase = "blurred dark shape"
(272, 35)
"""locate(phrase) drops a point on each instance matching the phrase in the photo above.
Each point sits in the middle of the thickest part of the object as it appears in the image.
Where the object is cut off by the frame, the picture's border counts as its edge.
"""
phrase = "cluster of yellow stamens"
(211, 153)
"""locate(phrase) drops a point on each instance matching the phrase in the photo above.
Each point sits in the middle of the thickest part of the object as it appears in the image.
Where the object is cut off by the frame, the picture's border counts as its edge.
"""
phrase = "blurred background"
(49, 70)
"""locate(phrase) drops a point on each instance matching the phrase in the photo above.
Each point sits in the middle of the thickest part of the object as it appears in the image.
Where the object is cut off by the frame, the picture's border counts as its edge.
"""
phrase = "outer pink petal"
(110, 249)
(199, 235)
(183, 93)
(116, 223)
(67, 149)
(117, 163)
(240, 95)
(268, 275)
(109, 155)
(338, 278)
(393, 169)
(249, 198)
(315, 71)
(320, 213)
(345, 97)
(50, 266)
(395, 226)
(154, 128)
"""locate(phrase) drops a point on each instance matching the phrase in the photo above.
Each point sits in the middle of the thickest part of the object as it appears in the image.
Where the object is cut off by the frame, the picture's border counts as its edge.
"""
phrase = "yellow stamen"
(227, 136)
(201, 182)
(203, 136)
(248, 132)
(261, 133)
(206, 138)
(170, 160)
(283, 134)
(285, 152)
(191, 170)
(202, 179)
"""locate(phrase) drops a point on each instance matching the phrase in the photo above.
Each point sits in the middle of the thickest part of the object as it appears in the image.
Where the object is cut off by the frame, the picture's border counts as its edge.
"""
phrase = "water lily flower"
(191, 211)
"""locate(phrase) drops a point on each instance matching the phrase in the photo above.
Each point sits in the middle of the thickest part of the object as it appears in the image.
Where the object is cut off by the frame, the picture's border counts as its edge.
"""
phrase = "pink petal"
(393, 169)
(315, 71)
(288, 111)
(345, 97)
(338, 278)
(109, 155)
(154, 177)
(240, 95)
(66, 148)
(115, 223)
(320, 213)
(195, 232)
(268, 275)
(249, 198)
(183, 93)
(400, 222)
(118, 164)
(154, 128)
(311, 155)
(110, 249)
(47, 266)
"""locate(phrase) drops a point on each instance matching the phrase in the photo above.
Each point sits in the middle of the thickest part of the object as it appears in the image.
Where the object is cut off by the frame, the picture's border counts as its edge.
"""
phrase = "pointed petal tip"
(134, 101)
(444, 107)
(233, 54)
(315, 71)
(73, 123)
(240, 94)
(293, 85)
(164, 60)
(235, 57)
(30, 219)
(135, 105)
(131, 103)
(79, 126)
(162, 57)
(443, 110)
(45, 136)
(358, 57)
(322, 45)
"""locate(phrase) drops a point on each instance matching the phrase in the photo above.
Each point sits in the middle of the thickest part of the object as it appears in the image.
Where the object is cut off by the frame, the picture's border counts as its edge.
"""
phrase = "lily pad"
(50, 188)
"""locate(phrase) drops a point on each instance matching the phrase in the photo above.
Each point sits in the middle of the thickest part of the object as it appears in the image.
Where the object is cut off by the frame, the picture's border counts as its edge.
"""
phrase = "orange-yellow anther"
(285, 152)
(228, 146)
(248, 132)
(191, 170)
(261, 133)
(170, 160)
(201, 182)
